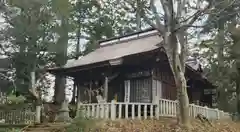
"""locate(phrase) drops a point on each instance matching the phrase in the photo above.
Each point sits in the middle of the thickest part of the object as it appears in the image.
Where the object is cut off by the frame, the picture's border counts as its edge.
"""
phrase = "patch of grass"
(10, 130)
(81, 124)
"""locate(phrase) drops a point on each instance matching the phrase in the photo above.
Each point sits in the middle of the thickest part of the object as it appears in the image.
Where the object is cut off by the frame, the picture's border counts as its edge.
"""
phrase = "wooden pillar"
(127, 91)
(106, 89)
(78, 101)
(74, 92)
(78, 93)
(90, 92)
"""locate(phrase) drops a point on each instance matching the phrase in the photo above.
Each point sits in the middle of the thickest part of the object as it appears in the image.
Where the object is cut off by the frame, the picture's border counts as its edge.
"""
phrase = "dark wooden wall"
(163, 73)
(141, 70)
(116, 87)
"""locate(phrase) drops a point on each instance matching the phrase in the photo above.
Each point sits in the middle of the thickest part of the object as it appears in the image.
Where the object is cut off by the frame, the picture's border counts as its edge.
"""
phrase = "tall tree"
(62, 10)
(222, 71)
(111, 18)
(172, 22)
(234, 57)
(27, 34)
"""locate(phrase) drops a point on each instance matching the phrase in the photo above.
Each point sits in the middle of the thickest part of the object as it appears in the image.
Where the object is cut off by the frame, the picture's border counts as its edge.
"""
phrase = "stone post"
(63, 115)
(38, 98)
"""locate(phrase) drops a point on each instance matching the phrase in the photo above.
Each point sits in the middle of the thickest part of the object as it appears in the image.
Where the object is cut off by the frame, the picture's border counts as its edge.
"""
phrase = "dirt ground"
(162, 125)
(168, 125)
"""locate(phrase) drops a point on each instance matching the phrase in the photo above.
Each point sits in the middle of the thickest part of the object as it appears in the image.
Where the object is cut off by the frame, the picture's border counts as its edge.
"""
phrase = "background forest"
(39, 34)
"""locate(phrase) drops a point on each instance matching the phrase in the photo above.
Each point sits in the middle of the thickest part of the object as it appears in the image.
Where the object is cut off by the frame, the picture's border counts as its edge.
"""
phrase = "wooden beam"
(106, 88)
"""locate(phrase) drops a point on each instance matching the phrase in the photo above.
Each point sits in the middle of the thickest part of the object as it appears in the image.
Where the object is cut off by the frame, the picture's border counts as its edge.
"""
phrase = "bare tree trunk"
(177, 64)
(60, 80)
(176, 55)
(78, 38)
(138, 15)
(181, 86)
(59, 93)
(220, 45)
(78, 52)
(183, 98)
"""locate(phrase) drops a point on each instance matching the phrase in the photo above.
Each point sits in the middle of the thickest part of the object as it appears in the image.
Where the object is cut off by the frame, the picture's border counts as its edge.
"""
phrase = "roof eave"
(202, 77)
(66, 70)
(126, 35)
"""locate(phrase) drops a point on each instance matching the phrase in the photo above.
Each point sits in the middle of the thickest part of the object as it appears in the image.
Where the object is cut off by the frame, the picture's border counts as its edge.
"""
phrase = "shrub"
(12, 99)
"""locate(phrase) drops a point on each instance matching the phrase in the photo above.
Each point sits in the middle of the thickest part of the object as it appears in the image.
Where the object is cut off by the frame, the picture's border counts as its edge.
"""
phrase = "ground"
(170, 125)
(163, 125)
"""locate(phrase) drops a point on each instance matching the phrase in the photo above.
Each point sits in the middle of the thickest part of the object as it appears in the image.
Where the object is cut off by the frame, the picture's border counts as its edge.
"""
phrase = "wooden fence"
(15, 117)
(117, 110)
(166, 108)
(15, 114)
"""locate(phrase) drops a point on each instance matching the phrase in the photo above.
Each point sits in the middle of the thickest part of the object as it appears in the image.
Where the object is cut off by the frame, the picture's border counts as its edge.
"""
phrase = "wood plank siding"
(141, 90)
(163, 73)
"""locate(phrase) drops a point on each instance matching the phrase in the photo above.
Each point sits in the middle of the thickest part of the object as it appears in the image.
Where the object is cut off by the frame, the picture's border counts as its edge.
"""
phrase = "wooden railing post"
(194, 110)
(221, 114)
(113, 110)
(79, 112)
(102, 110)
(217, 113)
(206, 112)
(190, 110)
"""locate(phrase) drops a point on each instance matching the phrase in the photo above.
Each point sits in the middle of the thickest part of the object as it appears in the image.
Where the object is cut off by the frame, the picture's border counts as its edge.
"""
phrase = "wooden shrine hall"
(134, 68)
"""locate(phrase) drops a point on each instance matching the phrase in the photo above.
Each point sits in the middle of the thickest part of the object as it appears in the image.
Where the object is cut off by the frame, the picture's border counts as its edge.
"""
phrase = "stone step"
(41, 129)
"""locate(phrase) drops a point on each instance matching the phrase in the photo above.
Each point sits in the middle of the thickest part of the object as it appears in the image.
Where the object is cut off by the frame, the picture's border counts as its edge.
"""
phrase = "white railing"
(118, 110)
(169, 108)
(166, 108)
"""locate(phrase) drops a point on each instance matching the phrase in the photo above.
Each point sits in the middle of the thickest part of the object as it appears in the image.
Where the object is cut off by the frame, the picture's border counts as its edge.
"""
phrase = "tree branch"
(199, 13)
(194, 17)
(34, 90)
(183, 41)
(149, 22)
(180, 8)
(159, 26)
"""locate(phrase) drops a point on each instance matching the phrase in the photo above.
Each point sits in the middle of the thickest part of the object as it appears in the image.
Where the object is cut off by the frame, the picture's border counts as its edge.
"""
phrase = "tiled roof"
(118, 49)
(194, 63)
(121, 47)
